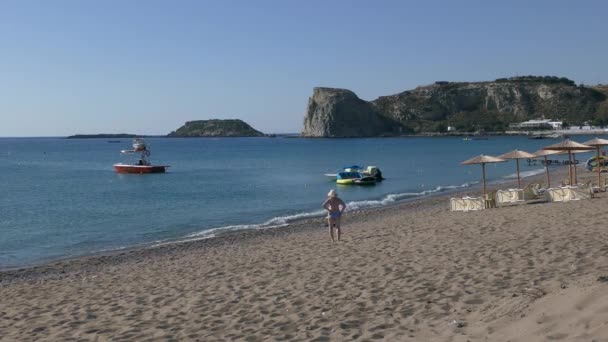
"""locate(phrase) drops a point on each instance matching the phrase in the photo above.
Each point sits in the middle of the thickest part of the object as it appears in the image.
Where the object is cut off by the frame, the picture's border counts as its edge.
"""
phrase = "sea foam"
(282, 221)
(525, 174)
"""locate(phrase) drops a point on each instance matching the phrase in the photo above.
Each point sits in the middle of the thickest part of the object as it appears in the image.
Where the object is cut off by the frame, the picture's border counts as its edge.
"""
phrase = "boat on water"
(347, 178)
(366, 180)
(369, 171)
(548, 136)
(357, 175)
(143, 164)
(354, 178)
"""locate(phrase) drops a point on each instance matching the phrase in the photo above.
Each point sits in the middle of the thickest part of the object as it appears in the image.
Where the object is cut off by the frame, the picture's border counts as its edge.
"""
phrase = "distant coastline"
(130, 136)
(103, 136)
(298, 135)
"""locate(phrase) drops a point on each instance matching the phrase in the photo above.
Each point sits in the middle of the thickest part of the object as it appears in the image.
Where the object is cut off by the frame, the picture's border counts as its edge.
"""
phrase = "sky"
(147, 67)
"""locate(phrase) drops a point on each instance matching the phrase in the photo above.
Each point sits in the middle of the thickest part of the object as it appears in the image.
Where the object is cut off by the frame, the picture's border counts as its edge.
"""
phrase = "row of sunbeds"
(532, 192)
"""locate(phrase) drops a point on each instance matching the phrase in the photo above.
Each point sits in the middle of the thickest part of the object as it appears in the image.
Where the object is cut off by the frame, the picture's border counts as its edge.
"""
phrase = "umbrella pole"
(547, 171)
(518, 181)
(570, 167)
(597, 162)
(574, 167)
(483, 172)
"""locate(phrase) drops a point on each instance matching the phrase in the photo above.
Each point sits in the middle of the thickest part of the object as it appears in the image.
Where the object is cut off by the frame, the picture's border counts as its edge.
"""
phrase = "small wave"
(164, 243)
(282, 221)
(525, 174)
(394, 198)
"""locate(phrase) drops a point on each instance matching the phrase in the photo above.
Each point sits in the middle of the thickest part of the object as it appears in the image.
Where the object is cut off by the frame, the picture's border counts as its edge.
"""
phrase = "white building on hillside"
(537, 124)
(556, 124)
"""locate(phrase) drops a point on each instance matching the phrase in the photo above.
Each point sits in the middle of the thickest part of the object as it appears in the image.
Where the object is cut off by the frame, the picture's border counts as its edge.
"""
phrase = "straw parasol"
(568, 145)
(597, 143)
(517, 155)
(545, 153)
(483, 160)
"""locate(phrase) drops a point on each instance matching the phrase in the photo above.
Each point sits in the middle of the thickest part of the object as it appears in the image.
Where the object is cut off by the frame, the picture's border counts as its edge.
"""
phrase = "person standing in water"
(335, 206)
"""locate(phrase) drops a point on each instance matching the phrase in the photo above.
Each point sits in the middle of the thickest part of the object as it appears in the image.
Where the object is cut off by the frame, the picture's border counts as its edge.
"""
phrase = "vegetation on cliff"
(216, 128)
(540, 79)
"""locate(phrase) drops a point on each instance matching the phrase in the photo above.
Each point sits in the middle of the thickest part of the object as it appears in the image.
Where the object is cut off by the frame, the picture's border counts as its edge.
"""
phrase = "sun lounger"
(509, 196)
(581, 192)
(533, 192)
(490, 200)
(569, 193)
(467, 203)
(560, 194)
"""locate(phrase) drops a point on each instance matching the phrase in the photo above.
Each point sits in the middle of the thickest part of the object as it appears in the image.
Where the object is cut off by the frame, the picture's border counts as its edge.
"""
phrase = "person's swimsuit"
(334, 214)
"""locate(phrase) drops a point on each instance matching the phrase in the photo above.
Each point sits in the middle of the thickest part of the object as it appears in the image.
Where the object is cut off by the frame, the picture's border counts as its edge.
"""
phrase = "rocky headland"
(216, 128)
(466, 106)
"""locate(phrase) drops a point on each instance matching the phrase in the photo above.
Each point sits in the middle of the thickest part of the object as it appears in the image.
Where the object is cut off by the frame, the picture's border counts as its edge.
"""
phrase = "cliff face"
(468, 106)
(216, 128)
(340, 113)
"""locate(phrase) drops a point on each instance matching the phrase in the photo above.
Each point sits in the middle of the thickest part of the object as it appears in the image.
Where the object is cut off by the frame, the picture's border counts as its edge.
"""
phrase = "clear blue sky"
(146, 67)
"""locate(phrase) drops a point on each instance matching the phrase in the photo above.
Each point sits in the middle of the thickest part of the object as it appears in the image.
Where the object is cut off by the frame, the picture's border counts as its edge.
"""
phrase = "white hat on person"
(332, 193)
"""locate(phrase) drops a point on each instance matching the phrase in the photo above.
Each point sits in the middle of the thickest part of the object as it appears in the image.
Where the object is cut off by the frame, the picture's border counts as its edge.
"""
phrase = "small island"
(216, 128)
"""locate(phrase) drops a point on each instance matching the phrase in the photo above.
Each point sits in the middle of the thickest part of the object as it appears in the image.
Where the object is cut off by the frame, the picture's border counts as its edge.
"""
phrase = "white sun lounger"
(509, 196)
(467, 203)
(569, 193)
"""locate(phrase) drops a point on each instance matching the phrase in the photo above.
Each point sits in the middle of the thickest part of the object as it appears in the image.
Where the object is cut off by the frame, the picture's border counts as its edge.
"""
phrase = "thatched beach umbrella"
(545, 153)
(569, 146)
(517, 155)
(597, 143)
(483, 160)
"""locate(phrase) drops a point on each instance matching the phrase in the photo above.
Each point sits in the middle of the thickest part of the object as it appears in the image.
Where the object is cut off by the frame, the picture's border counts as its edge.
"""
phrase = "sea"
(60, 198)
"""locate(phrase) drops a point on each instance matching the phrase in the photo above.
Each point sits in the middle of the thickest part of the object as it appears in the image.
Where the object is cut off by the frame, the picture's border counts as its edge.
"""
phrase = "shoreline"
(221, 231)
(223, 237)
(228, 236)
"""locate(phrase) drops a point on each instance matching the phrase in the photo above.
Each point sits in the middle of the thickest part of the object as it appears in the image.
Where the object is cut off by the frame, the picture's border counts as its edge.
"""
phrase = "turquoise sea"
(61, 198)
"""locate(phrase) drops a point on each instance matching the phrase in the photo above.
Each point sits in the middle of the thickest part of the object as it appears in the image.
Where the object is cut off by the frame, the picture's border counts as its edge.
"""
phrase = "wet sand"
(411, 272)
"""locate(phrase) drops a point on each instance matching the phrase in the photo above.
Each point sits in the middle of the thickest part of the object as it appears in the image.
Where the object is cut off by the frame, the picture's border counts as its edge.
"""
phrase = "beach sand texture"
(412, 272)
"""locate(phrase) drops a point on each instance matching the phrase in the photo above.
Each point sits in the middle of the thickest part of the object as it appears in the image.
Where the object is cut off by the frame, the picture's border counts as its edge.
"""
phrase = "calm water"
(61, 198)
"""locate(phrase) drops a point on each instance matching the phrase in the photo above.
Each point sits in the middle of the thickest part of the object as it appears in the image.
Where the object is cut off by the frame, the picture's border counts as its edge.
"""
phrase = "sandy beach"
(410, 272)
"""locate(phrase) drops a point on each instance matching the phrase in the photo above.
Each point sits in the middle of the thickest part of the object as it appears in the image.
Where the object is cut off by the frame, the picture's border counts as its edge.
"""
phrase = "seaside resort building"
(537, 124)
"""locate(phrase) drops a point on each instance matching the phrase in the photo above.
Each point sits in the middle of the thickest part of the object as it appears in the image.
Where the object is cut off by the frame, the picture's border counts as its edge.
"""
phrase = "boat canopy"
(348, 175)
(372, 170)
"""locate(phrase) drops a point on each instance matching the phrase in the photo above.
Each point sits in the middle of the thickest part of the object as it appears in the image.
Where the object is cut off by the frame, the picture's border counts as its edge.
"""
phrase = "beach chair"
(458, 204)
(581, 192)
(533, 192)
(510, 196)
(602, 186)
(490, 199)
(467, 203)
(557, 195)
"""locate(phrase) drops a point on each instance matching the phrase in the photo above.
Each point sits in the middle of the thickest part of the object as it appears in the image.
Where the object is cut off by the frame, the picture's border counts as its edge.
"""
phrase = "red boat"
(125, 168)
(143, 165)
